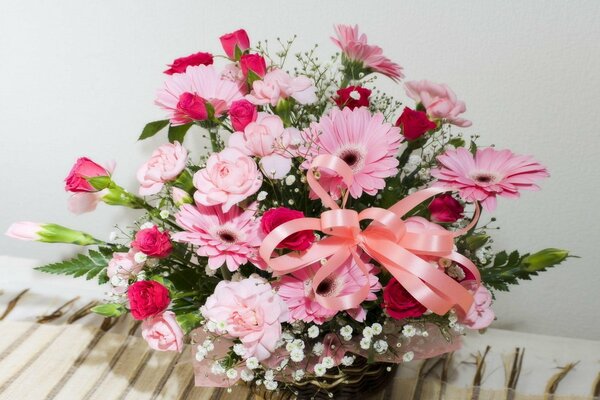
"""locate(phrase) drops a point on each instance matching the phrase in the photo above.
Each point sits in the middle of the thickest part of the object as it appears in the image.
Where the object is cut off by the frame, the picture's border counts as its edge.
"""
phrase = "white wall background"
(79, 77)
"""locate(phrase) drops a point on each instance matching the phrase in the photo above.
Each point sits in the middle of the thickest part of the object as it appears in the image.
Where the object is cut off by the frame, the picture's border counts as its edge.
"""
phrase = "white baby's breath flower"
(380, 346)
(290, 179)
(408, 356)
(295, 344)
(164, 214)
(236, 277)
(346, 331)
(252, 363)
(298, 374)
(409, 331)
(140, 257)
(327, 362)
(246, 375)
(425, 334)
(452, 318)
(239, 349)
(313, 332)
(320, 369)
(146, 225)
(367, 333)
(209, 271)
(208, 345)
(201, 353)
(231, 373)
(261, 195)
(365, 343)
(348, 360)
(217, 368)
(222, 326)
(297, 355)
(270, 385)
(376, 328)
(211, 326)
(112, 236)
(318, 348)
(269, 375)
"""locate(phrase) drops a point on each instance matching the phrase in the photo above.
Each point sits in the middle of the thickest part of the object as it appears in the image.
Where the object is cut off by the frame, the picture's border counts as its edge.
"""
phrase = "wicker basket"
(358, 379)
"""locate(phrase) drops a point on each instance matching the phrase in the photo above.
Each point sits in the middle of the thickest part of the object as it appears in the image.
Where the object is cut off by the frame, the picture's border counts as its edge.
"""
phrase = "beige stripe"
(165, 377)
(188, 389)
(76, 364)
(137, 373)
(18, 341)
(30, 361)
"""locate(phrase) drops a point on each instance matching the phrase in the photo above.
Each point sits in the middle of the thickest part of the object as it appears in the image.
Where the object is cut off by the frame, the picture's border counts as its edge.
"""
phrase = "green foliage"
(152, 128)
(91, 265)
(507, 269)
(177, 133)
(189, 321)
(109, 309)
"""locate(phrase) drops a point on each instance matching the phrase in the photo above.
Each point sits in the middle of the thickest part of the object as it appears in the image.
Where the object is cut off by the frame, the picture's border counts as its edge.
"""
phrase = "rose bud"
(84, 169)
(400, 304)
(445, 208)
(414, 124)
(274, 217)
(352, 97)
(180, 64)
(147, 299)
(242, 112)
(153, 242)
(190, 107)
(255, 63)
(233, 41)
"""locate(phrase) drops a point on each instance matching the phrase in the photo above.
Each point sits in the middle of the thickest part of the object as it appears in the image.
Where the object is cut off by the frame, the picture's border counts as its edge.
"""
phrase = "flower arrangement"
(325, 226)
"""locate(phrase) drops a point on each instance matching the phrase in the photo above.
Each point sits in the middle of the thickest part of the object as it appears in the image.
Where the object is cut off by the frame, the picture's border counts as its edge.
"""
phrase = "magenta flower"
(297, 292)
(365, 142)
(229, 238)
(488, 174)
(356, 49)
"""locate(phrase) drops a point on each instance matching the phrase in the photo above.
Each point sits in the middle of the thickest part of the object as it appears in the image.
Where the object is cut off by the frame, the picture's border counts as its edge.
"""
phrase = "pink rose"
(480, 315)
(238, 39)
(121, 268)
(250, 312)
(163, 333)
(274, 217)
(445, 208)
(228, 178)
(242, 112)
(190, 107)
(277, 85)
(255, 63)
(268, 139)
(180, 64)
(165, 164)
(153, 242)
(439, 101)
(84, 169)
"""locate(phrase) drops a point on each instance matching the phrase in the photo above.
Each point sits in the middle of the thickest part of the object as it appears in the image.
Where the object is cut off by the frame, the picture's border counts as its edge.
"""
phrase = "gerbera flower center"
(326, 287)
(227, 236)
(485, 178)
(353, 156)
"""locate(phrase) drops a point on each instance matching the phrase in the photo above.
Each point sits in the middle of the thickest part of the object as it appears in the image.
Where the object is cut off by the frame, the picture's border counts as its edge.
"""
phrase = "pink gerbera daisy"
(488, 174)
(356, 49)
(365, 142)
(296, 291)
(182, 93)
(229, 238)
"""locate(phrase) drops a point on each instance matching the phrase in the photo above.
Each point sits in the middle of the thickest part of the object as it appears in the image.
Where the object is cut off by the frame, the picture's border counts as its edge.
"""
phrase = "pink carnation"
(228, 178)
(165, 165)
(230, 238)
(121, 268)
(365, 142)
(439, 101)
(297, 292)
(250, 312)
(181, 93)
(277, 85)
(480, 315)
(488, 174)
(162, 332)
(355, 48)
(268, 139)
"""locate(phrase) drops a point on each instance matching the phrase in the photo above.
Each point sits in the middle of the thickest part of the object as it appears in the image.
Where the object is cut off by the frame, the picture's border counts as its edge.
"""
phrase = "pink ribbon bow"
(385, 239)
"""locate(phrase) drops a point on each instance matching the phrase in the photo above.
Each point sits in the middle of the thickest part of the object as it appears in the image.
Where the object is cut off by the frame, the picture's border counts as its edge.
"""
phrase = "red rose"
(414, 124)
(191, 107)
(398, 303)
(83, 169)
(276, 216)
(147, 299)
(180, 65)
(445, 208)
(242, 112)
(153, 242)
(253, 62)
(238, 39)
(352, 97)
